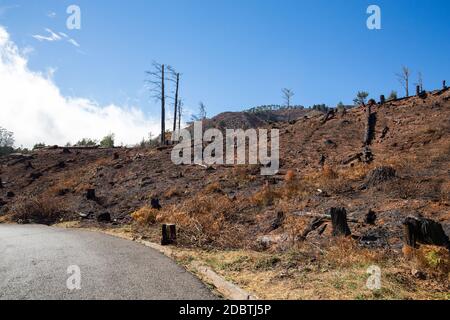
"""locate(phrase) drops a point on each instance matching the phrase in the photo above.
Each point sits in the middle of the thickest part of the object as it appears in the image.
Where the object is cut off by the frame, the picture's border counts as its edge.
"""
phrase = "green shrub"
(108, 141)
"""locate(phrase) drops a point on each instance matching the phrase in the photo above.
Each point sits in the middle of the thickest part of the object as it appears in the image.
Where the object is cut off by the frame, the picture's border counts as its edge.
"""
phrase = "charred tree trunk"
(339, 222)
(407, 85)
(180, 112)
(418, 91)
(444, 85)
(382, 99)
(1, 183)
(176, 103)
(163, 108)
(169, 234)
(314, 224)
(370, 125)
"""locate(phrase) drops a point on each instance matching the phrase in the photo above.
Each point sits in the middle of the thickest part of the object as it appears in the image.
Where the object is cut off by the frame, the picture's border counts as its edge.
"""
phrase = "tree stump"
(154, 202)
(444, 85)
(1, 183)
(90, 194)
(382, 99)
(371, 217)
(339, 222)
(418, 91)
(424, 231)
(169, 234)
(278, 221)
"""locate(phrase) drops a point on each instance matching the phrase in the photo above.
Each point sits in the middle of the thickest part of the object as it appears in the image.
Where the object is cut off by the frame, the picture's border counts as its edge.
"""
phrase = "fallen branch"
(321, 216)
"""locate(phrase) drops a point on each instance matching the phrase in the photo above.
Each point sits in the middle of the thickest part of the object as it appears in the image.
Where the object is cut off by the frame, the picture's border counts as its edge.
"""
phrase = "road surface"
(34, 262)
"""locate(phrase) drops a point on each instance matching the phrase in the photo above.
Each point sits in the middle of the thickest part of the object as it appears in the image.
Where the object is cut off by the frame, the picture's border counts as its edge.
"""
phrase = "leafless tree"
(156, 81)
(403, 78)
(201, 112)
(180, 113)
(420, 81)
(287, 96)
(175, 78)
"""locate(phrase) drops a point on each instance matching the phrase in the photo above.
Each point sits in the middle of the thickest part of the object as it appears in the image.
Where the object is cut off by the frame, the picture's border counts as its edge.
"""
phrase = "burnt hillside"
(321, 167)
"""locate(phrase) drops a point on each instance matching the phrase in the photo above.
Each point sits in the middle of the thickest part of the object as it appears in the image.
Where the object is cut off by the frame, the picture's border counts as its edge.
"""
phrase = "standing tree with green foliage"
(392, 95)
(108, 141)
(361, 98)
(86, 142)
(6, 141)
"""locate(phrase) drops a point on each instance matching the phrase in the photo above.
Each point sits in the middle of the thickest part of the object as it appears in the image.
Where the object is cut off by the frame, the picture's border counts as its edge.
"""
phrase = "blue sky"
(234, 54)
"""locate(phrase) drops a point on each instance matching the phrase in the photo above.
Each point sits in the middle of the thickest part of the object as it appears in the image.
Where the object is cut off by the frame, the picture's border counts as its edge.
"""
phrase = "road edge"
(227, 289)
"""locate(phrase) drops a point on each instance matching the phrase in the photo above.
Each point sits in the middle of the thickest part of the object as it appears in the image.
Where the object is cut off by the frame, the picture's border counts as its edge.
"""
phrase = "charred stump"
(278, 221)
(90, 194)
(339, 222)
(154, 203)
(1, 183)
(382, 99)
(418, 91)
(424, 231)
(169, 234)
(444, 85)
(371, 217)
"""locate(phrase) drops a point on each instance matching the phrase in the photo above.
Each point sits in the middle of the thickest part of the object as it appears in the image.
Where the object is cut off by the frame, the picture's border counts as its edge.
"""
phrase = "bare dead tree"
(287, 96)
(175, 78)
(420, 81)
(156, 82)
(403, 78)
(180, 113)
(202, 110)
(201, 113)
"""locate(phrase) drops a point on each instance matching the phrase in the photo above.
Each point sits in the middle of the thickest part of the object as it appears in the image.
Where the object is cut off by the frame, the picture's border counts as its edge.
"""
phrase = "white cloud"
(52, 36)
(73, 42)
(33, 107)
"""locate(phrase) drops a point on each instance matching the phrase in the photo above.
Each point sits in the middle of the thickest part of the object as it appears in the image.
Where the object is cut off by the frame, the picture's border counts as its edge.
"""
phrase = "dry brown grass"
(173, 192)
(145, 216)
(205, 221)
(296, 274)
(41, 210)
(345, 252)
(266, 196)
(213, 187)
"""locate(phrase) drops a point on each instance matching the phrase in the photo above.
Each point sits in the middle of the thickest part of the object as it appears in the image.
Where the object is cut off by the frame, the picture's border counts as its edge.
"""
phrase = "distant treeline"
(275, 107)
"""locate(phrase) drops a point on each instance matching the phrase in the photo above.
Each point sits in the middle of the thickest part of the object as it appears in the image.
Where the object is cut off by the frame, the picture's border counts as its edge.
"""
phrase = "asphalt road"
(34, 262)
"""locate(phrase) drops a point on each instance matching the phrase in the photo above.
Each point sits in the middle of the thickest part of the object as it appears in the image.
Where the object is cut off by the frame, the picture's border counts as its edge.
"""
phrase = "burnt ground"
(320, 169)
